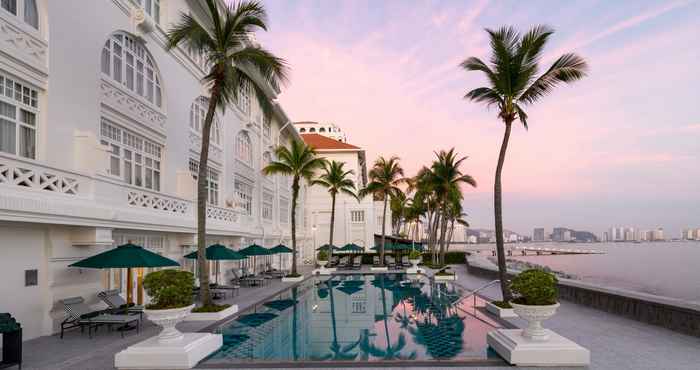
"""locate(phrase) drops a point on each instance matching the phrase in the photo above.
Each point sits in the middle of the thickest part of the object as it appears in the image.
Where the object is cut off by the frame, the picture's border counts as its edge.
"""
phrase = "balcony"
(31, 191)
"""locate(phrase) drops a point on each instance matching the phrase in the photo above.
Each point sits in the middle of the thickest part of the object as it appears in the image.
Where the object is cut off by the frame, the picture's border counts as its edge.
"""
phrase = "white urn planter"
(212, 316)
(503, 313)
(449, 277)
(167, 319)
(292, 279)
(534, 315)
(171, 349)
(414, 263)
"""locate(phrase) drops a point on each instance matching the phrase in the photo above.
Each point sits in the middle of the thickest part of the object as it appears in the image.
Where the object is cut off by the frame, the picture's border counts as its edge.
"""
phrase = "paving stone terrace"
(615, 342)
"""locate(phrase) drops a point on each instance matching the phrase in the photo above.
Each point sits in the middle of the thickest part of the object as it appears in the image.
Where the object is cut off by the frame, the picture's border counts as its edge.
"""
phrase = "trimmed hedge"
(451, 258)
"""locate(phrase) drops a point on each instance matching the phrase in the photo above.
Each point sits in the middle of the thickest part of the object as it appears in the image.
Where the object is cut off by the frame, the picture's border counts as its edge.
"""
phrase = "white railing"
(222, 214)
(22, 174)
(157, 202)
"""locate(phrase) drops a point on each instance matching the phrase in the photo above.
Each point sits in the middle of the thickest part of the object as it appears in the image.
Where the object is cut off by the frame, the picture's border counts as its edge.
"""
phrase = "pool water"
(358, 318)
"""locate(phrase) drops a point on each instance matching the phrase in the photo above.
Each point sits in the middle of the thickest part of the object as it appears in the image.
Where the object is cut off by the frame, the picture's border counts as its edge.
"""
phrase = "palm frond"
(568, 68)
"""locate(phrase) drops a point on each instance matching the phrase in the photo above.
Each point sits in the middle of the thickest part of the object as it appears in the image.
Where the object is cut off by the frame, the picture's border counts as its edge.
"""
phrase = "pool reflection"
(357, 318)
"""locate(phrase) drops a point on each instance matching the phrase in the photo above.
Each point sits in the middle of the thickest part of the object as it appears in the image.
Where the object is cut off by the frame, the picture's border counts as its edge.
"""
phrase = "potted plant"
(414, 258)
(322, 258)
(502, 309)
(171, 300)
(536, 301)
(445, 274)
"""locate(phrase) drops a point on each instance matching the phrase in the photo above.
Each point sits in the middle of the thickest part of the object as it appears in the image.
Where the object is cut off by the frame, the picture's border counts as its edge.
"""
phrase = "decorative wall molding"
(12, 174)
(26, 47)
(215, 152)
(131, 106)
(156, 202)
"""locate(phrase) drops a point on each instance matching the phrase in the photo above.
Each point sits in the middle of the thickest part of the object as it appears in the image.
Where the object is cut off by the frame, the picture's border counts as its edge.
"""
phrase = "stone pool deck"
(615, 342)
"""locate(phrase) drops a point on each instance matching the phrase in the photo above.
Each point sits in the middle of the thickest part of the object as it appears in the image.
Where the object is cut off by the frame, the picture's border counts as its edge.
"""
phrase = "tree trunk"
(498, 212)
(295, 195)
(450, 235)
(381, 249)
(330, 239)
(202, 198)
(443, 232)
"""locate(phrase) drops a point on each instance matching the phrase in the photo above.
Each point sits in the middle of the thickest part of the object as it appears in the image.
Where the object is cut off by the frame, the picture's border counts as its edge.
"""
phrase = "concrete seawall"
(674, 314)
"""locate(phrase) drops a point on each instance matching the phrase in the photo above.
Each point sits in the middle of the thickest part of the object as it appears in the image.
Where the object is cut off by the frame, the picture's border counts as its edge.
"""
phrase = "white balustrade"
(18, 173)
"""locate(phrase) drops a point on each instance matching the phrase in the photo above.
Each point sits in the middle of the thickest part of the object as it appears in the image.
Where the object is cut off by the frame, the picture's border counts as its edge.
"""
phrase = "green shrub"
(535, 287)
(169, 289)
(322, 256)
(415, 255)
(211, 308)
(502, 304)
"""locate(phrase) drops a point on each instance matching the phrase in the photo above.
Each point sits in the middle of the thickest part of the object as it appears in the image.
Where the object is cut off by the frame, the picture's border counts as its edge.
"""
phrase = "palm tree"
(398, 206)
(513, 84)
(385, 176)
(336, 180)
(223, 41)
(447, 179)
(300, 162)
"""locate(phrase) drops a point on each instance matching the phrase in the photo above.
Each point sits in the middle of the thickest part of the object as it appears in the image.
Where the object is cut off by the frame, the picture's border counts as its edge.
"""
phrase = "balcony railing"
(22, 173)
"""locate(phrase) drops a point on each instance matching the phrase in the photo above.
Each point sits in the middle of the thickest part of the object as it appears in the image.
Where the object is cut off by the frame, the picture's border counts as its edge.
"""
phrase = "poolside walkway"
(615, 342)
(76, 351)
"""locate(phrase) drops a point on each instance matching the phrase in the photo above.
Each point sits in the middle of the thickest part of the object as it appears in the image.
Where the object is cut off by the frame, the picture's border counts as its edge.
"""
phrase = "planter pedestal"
(171, 349)
(183, 353)
(519, 350)
(379, 268)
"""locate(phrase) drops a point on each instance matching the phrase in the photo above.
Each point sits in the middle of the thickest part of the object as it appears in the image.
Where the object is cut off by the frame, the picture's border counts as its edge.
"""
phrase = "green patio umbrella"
(350, 290)
(126, 256)
(279, 249)
(280, 304)
(255, 250)
(256, 319)
(326, 247)
(218, 252)
(351, 248)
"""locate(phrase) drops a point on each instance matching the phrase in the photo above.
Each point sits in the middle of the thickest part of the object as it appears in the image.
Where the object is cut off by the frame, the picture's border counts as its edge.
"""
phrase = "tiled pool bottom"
(357, 318)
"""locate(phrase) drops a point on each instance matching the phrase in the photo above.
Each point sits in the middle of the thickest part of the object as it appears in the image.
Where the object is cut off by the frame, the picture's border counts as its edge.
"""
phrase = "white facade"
(355, 222)
(98, 146)
(330, 130)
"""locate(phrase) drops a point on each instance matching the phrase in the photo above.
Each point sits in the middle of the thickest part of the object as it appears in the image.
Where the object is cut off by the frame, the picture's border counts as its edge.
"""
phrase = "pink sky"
(626, 138)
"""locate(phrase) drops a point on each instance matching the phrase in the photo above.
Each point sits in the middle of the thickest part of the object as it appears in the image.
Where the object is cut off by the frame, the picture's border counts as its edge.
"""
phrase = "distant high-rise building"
(605, 237)
(558, 234)
(629, 234)
(538, 235)
(659, 234)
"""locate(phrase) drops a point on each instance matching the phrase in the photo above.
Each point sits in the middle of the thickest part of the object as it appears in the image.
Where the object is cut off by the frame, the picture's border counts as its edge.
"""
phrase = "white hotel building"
(99, 141)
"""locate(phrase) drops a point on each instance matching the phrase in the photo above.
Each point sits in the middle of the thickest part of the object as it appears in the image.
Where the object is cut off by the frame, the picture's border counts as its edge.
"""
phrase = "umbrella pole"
(139, 286)
(129, 287)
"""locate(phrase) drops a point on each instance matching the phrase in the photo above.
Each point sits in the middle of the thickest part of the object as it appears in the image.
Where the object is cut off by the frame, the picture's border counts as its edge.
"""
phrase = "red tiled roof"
(321, 142)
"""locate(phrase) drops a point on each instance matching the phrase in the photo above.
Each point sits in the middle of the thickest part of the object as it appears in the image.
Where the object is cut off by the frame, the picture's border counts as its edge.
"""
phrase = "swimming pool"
(361, 318)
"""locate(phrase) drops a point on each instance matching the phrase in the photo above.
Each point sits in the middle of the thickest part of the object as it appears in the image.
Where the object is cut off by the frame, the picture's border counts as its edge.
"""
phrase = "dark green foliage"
(502, 304)
(535, 287)
(451, 258)
(169, 289)
(211, 308)
(415, 255)
(322, 256)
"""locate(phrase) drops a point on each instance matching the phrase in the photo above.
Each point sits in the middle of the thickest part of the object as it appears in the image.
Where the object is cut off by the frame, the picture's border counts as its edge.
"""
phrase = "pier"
(538, 251)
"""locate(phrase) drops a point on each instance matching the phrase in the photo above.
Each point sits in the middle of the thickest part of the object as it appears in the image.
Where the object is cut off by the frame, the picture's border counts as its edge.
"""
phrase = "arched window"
(23, 9)
(322, 129)
(312, 130)
(198, 113)
(126, 61)
(244, 148)
(267, 158)
(302, 130)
